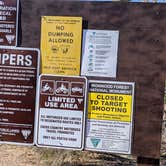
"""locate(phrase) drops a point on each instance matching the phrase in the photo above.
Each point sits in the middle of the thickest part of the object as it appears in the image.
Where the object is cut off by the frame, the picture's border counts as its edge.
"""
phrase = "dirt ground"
(33, 156)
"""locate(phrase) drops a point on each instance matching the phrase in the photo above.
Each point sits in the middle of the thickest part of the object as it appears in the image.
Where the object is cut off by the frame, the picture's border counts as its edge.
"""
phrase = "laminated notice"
(99, 55)
(61, 112)
(9, 22)
(18, 75)
(61, 45)
(110, 117)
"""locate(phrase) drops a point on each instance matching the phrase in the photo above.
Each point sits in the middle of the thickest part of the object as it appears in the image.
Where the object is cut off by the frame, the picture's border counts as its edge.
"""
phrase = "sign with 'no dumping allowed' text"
(9, 10)
(110, 117)
(18, 75)
(61, 112)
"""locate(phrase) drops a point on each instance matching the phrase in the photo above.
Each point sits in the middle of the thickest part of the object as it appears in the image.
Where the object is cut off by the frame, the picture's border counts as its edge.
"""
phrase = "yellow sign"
(114, 107)
(61, 45)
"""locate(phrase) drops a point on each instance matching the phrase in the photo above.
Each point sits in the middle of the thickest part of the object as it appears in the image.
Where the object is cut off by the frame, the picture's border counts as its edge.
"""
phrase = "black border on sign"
(83, 119)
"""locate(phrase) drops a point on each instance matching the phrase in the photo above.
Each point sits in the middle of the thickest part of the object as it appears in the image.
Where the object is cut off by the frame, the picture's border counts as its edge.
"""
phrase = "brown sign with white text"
(61, 112)
(18, 75)
(8, 22)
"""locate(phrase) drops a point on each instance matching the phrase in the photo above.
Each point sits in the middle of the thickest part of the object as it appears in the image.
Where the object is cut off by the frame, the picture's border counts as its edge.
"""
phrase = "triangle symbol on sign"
(10, 38)
(26, 133)
(95, 142)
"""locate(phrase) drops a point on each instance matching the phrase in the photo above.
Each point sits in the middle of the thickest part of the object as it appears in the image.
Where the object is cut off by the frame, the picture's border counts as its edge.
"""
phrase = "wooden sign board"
(61, 112)
(9, 22)
(141, 55)
(18, 75)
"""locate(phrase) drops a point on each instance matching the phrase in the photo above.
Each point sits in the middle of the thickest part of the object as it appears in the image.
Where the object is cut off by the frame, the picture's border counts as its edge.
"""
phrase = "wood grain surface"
(141, 55)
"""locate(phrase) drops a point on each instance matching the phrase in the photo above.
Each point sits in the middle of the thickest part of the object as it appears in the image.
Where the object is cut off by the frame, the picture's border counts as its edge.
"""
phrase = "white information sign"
(61, 112)
(110, 122)
(100, 49)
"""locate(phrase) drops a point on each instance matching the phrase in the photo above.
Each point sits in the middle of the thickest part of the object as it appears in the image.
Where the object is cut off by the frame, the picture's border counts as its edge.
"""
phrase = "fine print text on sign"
(109, 123)
(61, 112)
(9, 22)
(61, 45)
(100, 49)
(18, 75)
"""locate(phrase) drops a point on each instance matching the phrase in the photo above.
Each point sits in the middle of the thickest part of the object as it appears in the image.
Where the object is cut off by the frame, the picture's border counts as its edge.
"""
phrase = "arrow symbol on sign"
(80, 101)
(95, 142)
(10, 38)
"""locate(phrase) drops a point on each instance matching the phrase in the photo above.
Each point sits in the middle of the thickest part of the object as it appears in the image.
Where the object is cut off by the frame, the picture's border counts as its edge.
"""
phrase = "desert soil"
(33, 156)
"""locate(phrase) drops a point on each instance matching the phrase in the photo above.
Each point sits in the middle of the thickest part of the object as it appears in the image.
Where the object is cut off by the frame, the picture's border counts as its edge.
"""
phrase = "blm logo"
(47, 87)
(26, 133)
(77, 89)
